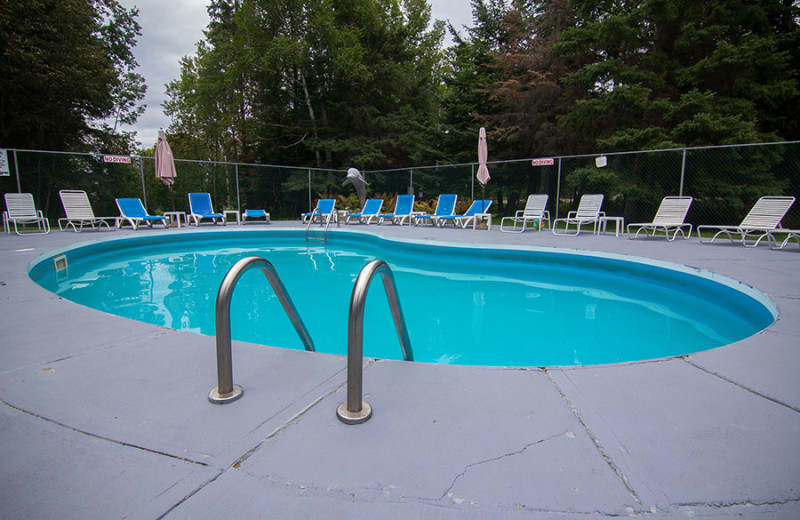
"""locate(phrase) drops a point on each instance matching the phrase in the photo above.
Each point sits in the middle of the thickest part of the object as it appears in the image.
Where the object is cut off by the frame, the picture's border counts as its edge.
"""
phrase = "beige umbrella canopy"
(483, 156)
(165, 164)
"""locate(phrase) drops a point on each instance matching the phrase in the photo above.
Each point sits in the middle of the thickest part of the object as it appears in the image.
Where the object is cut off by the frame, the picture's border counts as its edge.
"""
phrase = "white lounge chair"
(445, 205)
(780, 238)
(588, 212)
(764, 217)
(20, 210)
(478, 208)
(669, 218)
(79, 213)
(403, 209)
(370, 211)
(131, 210)
(200, 208)
(534, 213)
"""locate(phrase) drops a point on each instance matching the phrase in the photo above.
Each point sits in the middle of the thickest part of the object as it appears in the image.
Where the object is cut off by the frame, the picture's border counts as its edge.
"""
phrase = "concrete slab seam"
(102, 438)
(740, 385)
(595, 440)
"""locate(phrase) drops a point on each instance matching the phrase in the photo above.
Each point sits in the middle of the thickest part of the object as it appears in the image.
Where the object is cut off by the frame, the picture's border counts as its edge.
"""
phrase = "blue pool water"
(463, 305)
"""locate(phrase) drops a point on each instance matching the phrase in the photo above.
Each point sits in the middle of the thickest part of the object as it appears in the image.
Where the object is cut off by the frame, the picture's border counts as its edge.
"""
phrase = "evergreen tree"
(65, 68)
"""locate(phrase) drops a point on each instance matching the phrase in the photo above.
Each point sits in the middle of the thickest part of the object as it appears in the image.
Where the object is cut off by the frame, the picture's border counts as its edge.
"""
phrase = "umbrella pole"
(172, 196)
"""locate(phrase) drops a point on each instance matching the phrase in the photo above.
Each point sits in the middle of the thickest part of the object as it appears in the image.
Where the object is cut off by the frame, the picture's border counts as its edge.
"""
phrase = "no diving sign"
(543, 162)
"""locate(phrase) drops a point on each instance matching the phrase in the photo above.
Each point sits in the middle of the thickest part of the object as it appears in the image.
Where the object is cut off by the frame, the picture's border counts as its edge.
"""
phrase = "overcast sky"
(172, 28)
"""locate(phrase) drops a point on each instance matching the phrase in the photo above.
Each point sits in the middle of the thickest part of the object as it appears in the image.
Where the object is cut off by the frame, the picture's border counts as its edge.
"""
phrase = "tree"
(315, 82)
(667, 73)
(65, 67)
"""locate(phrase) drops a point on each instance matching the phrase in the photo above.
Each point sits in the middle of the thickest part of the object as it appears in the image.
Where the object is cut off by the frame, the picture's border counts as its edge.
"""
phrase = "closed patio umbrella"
(165, 164)
(483, 156)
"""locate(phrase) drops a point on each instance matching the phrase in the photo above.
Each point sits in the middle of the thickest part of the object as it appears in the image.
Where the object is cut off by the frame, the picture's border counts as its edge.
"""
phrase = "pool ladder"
(354, 410)
(324, 237)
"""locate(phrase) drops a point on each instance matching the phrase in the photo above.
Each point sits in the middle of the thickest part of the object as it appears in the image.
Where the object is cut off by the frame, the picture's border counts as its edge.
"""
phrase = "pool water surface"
(462, 304)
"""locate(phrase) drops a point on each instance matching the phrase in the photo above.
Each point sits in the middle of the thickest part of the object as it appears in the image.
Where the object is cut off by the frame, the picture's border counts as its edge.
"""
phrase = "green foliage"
(65, 67)
(312, 82)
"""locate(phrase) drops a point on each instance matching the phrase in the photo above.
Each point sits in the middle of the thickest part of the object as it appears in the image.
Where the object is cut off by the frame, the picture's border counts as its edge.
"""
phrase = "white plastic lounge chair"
(200, 208)
(254, 214)
(765, 216)
(322, 212)
(780, 238)
(477, 208)
(445, 205)
(588, 212)
(21, 210)
(403, 209)
(534, 213)
(371, 209)
(79, 213)
(132, 211)
(669, 218)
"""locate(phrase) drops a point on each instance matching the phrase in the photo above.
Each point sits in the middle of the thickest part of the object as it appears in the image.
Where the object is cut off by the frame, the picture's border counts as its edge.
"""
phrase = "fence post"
(558, 187)
(141, 174)
(472, 176)
(238, 199)
(309, 190)
(16, 172)
(683, 172)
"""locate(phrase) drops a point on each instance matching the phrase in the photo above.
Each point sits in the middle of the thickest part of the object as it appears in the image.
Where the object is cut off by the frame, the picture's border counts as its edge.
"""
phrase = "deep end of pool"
(464, 304)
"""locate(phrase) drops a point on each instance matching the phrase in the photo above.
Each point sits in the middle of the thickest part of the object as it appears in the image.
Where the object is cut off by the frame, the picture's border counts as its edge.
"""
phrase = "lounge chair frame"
(372, 207)
(588, 212)
(445, 206)
(20, 209)
(79, 213)
(534, 212)
(403, 211)
(132, 211)
(669, 218)
(763, 219)
(201, 208)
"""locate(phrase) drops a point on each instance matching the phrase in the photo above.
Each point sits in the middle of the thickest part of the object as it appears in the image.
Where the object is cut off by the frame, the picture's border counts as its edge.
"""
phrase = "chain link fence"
(725, 182)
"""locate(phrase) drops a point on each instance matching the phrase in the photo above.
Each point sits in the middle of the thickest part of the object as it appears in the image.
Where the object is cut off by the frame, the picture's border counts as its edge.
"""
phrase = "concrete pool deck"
(103, 417)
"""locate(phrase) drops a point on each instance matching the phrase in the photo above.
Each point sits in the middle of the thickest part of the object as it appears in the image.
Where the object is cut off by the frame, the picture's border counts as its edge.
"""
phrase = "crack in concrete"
(730, 505)
(102, 438)
(494, 459)
(617, 471)
(743, 387)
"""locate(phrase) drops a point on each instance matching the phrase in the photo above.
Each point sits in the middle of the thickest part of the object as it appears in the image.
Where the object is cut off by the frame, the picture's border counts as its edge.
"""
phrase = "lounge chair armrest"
(572, 214)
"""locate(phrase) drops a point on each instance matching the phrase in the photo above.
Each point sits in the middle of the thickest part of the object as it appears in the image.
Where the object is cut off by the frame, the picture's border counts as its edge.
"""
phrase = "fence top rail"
(431, 167)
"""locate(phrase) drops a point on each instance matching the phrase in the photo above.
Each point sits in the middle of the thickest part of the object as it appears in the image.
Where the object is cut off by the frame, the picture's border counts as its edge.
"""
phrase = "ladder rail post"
(226, 391)
(354, 410)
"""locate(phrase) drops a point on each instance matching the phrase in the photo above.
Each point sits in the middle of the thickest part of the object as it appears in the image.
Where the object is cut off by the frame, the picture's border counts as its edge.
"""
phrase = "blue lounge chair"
(477, 208)
(446, 205)
(403, 208)
(322, 212)
(255, 213)
(371, 209)
(132, 211)
(200, 208)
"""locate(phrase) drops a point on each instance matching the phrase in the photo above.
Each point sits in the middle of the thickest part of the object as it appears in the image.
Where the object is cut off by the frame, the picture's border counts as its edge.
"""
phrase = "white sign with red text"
(116, 159)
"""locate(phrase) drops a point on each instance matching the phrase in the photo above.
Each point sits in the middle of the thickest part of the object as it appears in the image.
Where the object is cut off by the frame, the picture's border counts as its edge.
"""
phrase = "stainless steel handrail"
(327, 222)
(354, 410)
(226, 391)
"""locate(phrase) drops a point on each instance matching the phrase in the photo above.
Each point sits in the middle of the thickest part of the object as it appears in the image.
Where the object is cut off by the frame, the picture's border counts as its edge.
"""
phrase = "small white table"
(619, 222)
(482, 216)
(234, 212)
(175, 216)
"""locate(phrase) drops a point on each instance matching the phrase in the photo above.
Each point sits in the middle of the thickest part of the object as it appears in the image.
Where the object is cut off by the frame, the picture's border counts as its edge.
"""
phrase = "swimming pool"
(463, 304)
